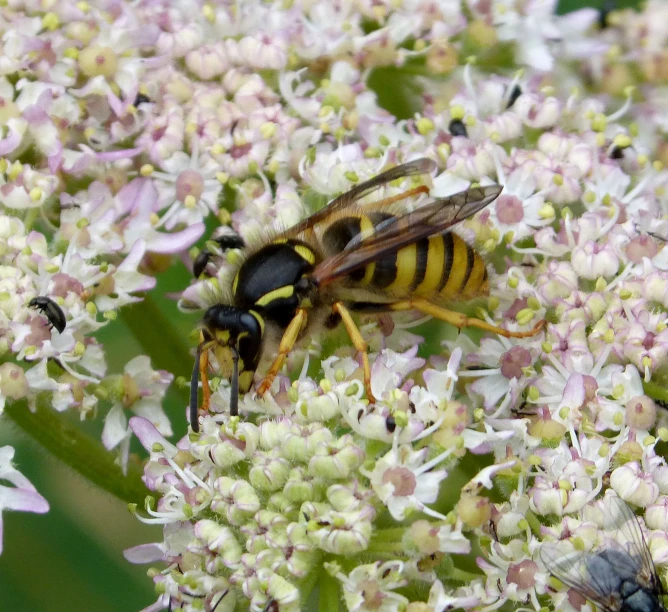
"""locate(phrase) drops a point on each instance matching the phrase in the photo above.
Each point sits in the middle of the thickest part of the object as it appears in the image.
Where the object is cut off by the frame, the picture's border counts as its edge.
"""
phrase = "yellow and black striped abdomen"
(441, 267)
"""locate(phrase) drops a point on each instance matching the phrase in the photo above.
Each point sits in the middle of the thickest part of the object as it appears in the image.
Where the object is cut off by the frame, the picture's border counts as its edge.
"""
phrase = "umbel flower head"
(129, 128)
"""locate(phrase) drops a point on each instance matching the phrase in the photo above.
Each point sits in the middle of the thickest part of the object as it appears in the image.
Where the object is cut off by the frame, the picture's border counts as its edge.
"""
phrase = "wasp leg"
(288, 340)
(404, 195)
(203, 368)
(358, 342)
(461, 320)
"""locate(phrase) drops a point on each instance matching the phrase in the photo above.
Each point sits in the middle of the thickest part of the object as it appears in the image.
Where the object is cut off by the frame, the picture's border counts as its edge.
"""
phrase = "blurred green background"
(70, 559)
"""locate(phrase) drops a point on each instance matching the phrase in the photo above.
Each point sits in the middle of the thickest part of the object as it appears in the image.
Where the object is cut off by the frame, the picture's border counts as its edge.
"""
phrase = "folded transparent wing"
(621, 556)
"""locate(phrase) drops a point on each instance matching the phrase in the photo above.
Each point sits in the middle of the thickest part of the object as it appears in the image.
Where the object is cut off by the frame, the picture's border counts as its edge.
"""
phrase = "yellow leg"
(460, 320)
(358, 342)
(288, 340)
(204, 377)
(403, 196)
(199, 372)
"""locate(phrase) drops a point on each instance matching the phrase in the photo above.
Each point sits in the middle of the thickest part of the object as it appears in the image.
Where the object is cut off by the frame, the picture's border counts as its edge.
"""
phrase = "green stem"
(307, 585)
(534, 523)
(159, 338)
(655, 391)
(78, 450)
(459, 575)
(391, 533)
(375, 546)
(329, 595)
(30, 218)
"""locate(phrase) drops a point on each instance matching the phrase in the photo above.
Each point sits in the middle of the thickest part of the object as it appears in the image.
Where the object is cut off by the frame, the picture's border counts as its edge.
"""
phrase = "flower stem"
(376, 546)
(307, 585)
(459, 575)
(159, 338)
(655, 391)
(534, 523)
(83, 453)
(329, 595)
(391, 533)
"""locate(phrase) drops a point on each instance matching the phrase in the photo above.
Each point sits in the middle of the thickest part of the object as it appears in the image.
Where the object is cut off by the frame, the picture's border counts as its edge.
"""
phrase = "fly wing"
(621, 556)
(398, 232)
(620, 520)
(351, 197)
(583, 572)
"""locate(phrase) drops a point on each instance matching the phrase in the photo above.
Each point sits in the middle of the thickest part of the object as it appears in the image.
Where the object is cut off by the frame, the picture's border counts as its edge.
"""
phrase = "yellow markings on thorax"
(305, 252)
(235, 282)
(434, 271)
(406, 266)
(284, 292)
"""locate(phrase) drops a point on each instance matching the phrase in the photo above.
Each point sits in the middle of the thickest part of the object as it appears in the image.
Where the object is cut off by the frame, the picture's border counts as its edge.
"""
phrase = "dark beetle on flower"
(457, 128)
(51, 311)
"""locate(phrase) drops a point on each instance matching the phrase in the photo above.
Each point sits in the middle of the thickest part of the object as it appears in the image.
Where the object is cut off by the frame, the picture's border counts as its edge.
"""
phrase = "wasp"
(618, 575)
(50, 310)
(356, 255)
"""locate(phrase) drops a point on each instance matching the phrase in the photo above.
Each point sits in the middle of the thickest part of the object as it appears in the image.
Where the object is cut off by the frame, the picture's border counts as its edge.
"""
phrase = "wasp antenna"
(194, 385)
(234, 388)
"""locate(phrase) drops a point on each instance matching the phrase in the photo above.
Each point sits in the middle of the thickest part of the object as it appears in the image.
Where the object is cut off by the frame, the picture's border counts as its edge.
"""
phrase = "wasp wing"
(351, 197)
(398, 232)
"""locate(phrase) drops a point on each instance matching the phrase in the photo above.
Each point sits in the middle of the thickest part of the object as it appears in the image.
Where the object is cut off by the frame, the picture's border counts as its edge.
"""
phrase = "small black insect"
(225, 242)
(619, 575)
(141, 99)
(617, 153)
(607, 7)
(50, 310)
(390, 423)
(515, 93)
(659, 402)
(457, 128)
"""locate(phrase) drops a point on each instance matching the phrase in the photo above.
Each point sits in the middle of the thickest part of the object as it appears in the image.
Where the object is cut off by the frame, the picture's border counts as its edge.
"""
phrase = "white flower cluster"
(125, 126)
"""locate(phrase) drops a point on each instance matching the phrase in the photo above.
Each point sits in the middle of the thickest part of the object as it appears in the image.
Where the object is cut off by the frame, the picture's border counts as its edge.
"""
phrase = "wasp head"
(234, 337)
(227, 331)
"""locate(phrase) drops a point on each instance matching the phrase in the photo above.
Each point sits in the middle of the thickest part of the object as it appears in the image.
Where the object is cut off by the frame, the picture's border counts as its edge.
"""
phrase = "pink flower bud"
(640, 412)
